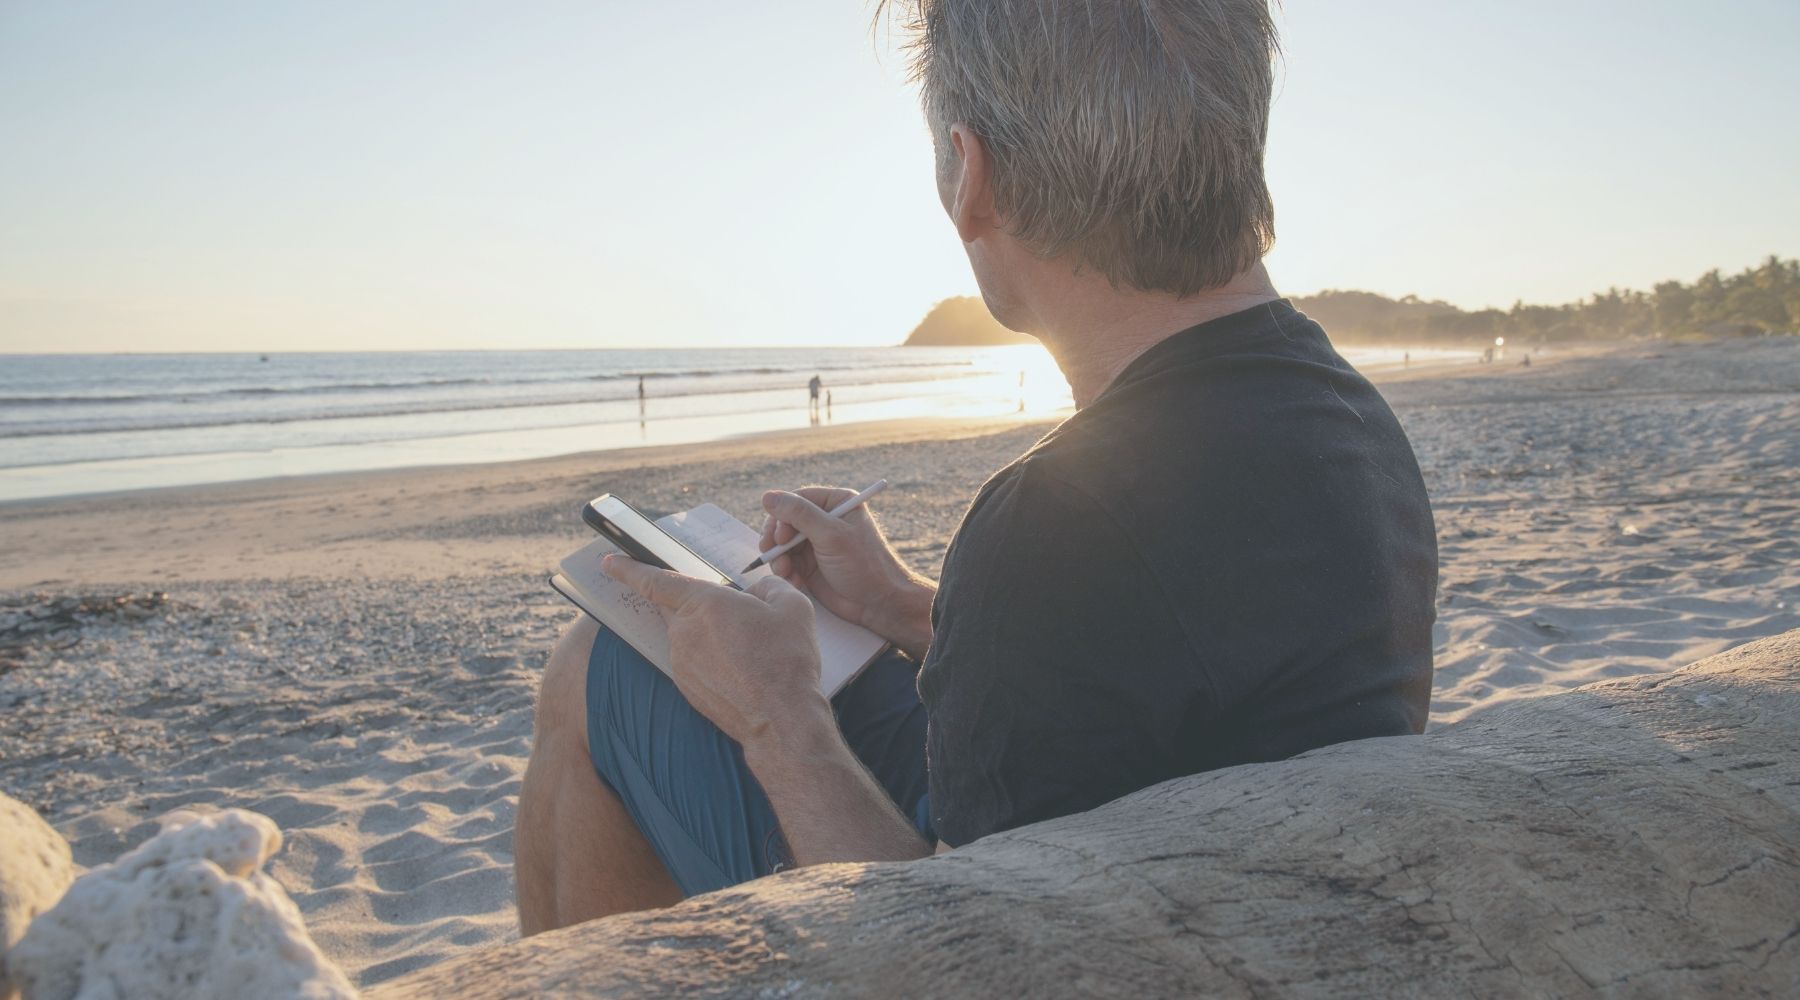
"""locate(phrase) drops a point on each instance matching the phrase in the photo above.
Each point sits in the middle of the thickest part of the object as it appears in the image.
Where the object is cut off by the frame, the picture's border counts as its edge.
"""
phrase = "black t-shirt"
(1227, 557)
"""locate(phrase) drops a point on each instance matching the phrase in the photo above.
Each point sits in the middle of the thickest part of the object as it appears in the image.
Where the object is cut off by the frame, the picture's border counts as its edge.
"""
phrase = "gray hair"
(1126, 134)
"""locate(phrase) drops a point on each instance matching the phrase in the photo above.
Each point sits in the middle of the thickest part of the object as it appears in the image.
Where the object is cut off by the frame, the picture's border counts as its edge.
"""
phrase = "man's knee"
(562, 695)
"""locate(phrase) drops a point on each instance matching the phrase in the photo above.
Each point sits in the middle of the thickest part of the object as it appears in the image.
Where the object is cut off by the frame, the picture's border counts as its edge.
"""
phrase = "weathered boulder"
(188, 914)
(35, 869)
(1636, 837)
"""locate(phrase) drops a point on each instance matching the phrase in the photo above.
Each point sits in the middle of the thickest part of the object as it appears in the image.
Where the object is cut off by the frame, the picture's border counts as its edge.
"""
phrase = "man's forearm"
(905, 619)
(829, 806)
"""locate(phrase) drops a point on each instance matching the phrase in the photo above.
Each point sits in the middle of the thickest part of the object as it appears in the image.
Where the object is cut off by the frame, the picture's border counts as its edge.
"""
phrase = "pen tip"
(750, 567)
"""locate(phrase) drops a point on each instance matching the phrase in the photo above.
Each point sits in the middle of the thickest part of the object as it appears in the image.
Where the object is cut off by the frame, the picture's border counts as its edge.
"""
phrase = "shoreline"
(226, 453)
(848, 433)
(44, 549)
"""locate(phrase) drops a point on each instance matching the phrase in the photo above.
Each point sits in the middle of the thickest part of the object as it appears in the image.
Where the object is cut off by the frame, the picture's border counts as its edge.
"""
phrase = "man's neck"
(1094, 331)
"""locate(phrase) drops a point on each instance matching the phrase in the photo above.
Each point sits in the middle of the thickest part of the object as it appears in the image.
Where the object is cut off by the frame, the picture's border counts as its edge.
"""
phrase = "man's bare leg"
(577, 853)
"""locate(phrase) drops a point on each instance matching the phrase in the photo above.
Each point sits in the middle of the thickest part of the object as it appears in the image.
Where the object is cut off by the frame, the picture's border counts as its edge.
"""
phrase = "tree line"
(1759, 300)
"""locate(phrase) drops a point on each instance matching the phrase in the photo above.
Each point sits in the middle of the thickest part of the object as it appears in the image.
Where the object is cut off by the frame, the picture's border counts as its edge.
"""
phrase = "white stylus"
(839, 511)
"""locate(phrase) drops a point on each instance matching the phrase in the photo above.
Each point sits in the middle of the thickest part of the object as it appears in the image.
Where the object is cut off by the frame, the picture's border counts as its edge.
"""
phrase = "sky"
(401, 175)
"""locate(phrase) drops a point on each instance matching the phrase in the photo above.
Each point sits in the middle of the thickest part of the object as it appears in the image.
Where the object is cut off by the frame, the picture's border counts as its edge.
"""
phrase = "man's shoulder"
(1017, 489)
(1035, 504)
(1209, 395)
(1191, 424)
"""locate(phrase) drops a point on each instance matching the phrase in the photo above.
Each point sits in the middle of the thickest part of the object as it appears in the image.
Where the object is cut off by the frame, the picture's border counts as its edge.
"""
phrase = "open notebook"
(727, 543)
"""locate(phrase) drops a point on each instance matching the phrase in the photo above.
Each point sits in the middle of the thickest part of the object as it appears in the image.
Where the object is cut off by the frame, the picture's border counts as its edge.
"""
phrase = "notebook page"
(726, 542)
(635, 619)
(730, 545)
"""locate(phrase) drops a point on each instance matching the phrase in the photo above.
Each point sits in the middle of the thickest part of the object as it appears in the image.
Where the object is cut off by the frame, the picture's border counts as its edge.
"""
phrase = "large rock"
(188, 915)
(35, 868)
(1637, 837)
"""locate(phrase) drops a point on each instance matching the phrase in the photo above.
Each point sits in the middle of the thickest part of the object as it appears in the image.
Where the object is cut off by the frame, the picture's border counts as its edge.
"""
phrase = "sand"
(355, 655)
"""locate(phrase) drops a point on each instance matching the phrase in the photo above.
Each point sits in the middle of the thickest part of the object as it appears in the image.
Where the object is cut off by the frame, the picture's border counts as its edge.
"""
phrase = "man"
(1225, 556)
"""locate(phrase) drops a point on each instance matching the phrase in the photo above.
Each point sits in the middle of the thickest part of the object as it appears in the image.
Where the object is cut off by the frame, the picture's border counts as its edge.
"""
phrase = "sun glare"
(1027, 374)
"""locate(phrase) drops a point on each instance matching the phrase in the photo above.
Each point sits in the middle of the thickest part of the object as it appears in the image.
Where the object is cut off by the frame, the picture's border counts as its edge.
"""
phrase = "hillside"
(962, 321)
(1764, 299)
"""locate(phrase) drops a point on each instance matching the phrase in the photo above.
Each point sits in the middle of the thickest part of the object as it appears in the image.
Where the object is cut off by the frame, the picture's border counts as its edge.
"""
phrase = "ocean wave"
(9, 430)
(776, 370)
(250, 392)
(357, 388)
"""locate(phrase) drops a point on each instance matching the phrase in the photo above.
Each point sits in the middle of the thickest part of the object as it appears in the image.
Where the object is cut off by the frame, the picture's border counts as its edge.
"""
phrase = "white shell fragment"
(187, 914)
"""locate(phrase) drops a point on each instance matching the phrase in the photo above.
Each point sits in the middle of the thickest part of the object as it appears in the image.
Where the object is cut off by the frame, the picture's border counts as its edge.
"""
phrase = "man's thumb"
(779, 594)
(800, 512)
(658, 586)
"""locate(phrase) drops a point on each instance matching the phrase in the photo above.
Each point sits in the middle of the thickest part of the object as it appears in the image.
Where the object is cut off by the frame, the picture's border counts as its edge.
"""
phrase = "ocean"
(77, 424)
(73, 424)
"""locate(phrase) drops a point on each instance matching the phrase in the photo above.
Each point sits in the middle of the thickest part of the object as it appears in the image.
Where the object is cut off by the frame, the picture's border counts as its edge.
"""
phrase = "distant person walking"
(640, 395)
(812, 388)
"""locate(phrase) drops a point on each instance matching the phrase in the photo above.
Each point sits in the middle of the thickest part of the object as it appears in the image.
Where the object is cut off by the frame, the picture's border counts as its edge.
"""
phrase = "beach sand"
(355, 655)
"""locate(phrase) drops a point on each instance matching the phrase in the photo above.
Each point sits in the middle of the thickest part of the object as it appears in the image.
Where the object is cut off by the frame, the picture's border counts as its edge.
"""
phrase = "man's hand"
(848, 565)
(747, 660)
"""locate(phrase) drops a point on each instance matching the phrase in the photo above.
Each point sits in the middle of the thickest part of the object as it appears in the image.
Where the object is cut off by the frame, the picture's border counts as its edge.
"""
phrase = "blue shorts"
(685, 783)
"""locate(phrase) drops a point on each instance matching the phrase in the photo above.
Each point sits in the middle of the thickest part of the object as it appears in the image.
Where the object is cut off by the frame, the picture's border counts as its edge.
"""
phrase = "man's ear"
(970, 195)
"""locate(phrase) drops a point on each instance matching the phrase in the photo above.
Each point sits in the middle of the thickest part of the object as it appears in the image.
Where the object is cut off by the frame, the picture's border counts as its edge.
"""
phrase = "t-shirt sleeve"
(1058, 676)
